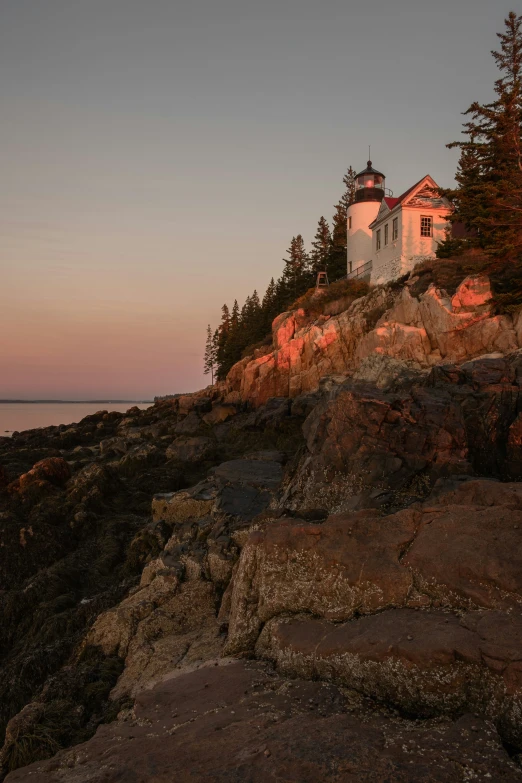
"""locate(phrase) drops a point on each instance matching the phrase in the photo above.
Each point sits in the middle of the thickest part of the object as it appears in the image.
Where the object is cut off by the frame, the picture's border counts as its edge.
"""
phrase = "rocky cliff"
(392, 322)
(309, 573)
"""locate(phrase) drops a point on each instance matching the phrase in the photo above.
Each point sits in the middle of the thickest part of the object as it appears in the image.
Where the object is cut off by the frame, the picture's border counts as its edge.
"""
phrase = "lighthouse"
(368, 197)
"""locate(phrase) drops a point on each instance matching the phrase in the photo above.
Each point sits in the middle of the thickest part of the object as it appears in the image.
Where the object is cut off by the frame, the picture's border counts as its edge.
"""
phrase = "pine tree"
(223, 336)
(215, 346)
(210, 355)
(234, 317)
(489, 197)
(223, 330)
(269, 306)
(233, 345)
(245, 312)
(322, 247)
(269, 297)
(337, 260)
(295, 279)
(506, 220)
(255, 322)
(225, 319)
(336, 265)
(251, 327)
(348, 196)
(339, 228)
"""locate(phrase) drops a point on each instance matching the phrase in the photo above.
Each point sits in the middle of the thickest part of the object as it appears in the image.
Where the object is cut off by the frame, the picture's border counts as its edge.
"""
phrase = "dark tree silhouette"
(210, 360)
(488, 199)
(321, 247)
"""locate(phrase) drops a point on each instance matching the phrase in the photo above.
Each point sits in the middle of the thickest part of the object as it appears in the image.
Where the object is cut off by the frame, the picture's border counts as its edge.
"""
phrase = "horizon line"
(109, 401)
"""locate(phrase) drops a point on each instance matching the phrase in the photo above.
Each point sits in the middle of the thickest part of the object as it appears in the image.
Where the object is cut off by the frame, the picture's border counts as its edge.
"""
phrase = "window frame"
(386, 234)
(378, 239)
(423, 226)
(395, 229)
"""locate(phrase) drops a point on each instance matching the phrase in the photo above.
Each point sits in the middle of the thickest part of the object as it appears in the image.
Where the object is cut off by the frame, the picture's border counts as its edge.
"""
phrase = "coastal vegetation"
(488, 195)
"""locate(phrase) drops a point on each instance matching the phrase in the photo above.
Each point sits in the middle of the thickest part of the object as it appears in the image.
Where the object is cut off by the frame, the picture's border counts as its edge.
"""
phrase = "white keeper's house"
(387, 236)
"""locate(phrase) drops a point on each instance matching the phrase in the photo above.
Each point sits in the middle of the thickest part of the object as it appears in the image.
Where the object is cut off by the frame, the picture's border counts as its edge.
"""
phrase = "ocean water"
(29, 415)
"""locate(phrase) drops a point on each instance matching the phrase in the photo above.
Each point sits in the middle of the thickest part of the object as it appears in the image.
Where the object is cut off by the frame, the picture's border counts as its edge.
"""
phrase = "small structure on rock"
(387, 236)
(322, 282)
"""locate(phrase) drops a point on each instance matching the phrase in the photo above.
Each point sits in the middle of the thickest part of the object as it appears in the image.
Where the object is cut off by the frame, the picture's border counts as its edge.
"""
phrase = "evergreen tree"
(215, 345)
(322, 247)
(234, 318)
(234, 342)
(210, 354)
(223, 336)
(450, 247)
(269, 307)
(245, 312)
(228, 340)
(251, 321)
(336, 265)
(470, 200)
(296, 273)
(268, 299)
(339, 228)
(349, 183)
(489, 197)
(225, 319)
(337, 260)
(255, 318)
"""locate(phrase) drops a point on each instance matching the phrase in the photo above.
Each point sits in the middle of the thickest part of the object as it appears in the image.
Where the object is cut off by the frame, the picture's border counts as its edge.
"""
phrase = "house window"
(395, 229)
(378, 240)
(426, 226)
(350, 223)
(386, 234)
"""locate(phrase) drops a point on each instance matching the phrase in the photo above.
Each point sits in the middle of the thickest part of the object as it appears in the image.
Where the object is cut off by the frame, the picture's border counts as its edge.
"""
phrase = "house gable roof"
(419, 195)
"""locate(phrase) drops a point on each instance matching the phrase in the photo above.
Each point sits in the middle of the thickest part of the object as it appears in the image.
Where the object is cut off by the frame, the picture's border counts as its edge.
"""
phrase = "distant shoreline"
(78, 402)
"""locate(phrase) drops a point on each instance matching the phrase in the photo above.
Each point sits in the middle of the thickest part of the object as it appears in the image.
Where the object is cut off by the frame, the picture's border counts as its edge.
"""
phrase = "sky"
(157, 156)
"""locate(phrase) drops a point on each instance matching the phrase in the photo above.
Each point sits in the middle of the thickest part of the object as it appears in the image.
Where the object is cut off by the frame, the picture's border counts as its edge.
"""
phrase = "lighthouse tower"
(368, 197)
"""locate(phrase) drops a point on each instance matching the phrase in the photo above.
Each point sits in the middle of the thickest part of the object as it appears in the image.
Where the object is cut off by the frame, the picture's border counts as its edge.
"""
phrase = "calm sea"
(28, 415)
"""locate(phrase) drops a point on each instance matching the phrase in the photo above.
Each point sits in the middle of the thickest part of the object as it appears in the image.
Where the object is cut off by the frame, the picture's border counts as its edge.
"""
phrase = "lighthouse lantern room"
(370, 184)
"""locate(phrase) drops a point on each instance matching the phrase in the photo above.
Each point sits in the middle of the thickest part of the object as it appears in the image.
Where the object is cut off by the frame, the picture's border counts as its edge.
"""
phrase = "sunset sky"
(158, 155)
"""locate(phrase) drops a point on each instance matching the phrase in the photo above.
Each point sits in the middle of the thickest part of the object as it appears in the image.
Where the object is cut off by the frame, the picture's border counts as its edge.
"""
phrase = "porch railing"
(362, 271)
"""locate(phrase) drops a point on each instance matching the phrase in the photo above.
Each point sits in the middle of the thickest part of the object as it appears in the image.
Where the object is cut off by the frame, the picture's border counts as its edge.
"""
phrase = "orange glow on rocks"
(423, 332)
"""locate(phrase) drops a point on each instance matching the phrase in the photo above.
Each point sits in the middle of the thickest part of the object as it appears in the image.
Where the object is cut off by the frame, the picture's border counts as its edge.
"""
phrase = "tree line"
(488, 195)
(244, 327)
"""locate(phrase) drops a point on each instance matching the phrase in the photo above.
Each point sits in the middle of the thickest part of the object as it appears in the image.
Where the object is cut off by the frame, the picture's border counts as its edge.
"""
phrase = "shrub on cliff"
(505, 275)
(342, 289)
